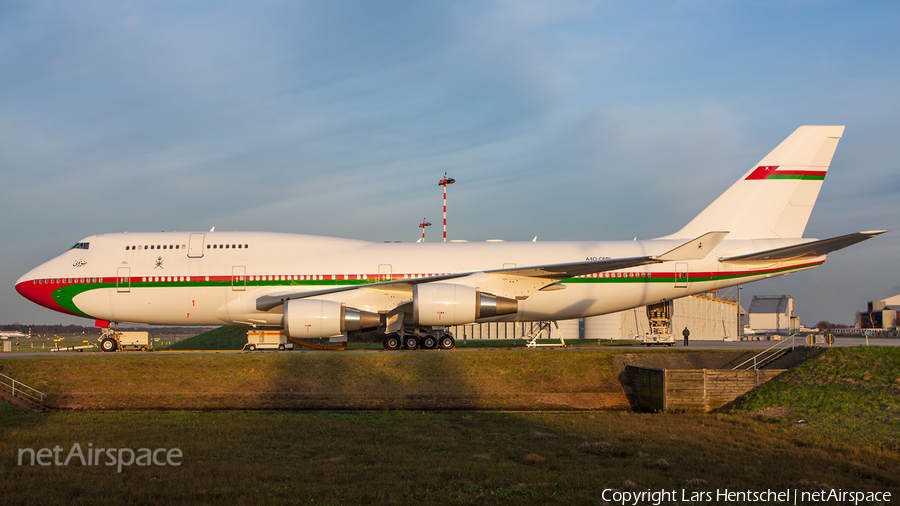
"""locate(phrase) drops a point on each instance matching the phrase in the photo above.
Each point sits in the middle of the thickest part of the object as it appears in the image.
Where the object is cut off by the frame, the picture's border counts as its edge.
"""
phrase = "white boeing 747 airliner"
(324, 287)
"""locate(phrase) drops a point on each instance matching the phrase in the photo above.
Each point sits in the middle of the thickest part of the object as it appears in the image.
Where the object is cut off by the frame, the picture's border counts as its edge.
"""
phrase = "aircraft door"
(195, 248)
(123, 280)
(385, 272)
(681, 275)
(238, 278)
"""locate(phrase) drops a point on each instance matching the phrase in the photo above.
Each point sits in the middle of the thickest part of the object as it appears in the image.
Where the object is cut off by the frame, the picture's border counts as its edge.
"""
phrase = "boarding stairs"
(769, 355)
(532, 337)
(20, 395)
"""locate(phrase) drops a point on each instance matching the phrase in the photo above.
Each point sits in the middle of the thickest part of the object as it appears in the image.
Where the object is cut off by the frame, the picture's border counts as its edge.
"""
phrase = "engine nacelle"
(312, 318)
(443, 304)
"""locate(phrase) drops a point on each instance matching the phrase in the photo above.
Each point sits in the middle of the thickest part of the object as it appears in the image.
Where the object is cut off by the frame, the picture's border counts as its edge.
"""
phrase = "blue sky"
(566, 120)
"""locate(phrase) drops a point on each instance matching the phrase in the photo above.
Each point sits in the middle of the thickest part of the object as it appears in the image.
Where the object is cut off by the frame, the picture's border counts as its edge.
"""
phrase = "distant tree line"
(827, 326)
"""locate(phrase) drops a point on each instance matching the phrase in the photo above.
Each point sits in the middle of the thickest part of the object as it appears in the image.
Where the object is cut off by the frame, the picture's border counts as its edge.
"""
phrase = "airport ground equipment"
(268, 340)
(660, 317)
(342, 346)
(535, 333)
(112, 339)
(86, 346)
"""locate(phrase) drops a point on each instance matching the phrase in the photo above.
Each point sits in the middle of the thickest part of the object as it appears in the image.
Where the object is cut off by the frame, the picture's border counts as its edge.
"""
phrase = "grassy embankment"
(228, 337)
(847, 394)
(458, 458)
(493, 380)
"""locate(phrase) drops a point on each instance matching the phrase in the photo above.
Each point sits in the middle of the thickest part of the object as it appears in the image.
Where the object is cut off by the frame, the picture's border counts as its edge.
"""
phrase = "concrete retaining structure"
(656, 389)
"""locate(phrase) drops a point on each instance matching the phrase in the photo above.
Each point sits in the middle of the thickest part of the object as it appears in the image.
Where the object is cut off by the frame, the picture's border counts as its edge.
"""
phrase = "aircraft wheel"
(428, 342)
(280, 347)
(108, 344)
(252, 347)
(411, 342)
(392, 342)
(447, 342)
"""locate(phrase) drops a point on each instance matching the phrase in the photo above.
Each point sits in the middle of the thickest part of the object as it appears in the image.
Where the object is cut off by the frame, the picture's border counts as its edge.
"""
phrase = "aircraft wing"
(542, 275)
(549, 273)
(565, 271)
(692, 250)
(810, 249)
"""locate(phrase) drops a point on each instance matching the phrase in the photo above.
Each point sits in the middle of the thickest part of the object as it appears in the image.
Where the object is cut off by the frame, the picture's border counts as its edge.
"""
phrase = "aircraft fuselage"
(215, 278)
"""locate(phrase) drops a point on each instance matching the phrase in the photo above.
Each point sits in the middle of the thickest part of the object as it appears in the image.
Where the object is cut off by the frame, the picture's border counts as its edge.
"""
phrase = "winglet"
(695, 249)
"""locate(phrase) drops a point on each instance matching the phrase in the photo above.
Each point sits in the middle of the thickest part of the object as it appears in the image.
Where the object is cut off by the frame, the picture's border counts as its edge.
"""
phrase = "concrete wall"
(692, 389)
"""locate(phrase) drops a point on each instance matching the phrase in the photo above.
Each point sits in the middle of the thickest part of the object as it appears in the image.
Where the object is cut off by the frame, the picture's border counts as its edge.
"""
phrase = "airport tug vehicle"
(112, 339)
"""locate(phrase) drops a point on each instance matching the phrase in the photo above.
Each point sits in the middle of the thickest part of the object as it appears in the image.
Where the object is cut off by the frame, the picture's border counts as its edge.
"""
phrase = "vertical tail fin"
(775, 198)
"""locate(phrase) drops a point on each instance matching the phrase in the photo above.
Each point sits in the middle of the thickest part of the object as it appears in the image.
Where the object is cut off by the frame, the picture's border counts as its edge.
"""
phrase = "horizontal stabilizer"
(696, 249)
(810, 249)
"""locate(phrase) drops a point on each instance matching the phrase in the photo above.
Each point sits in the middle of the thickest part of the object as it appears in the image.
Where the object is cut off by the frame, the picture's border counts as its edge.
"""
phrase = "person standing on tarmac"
(686, 333)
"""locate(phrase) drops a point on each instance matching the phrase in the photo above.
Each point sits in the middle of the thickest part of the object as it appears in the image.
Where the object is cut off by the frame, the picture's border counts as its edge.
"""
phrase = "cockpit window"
(81, 245)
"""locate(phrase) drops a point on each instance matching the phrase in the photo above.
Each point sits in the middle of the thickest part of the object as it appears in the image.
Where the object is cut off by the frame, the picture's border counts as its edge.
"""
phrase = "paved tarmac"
(695, 345)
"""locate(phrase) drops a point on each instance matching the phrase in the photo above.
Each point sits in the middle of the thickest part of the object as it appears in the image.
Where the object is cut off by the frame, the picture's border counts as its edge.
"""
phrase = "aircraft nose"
(39, 287)
(33, 287)
(26, 287)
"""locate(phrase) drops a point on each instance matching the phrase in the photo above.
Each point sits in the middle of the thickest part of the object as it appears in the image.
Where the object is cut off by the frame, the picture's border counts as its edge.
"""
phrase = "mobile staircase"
(20, 395)
(769, 355)
(536, 332)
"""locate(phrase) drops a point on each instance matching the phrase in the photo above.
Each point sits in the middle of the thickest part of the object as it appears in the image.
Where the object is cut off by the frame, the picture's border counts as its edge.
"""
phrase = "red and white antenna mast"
(423, 225)
(444, 182)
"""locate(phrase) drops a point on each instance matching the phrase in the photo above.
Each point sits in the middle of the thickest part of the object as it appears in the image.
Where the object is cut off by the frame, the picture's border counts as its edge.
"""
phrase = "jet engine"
(442, 304)
(311, 318)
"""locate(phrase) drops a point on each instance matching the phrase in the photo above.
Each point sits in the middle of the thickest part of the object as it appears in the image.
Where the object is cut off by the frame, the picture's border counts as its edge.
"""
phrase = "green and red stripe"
(771, 172)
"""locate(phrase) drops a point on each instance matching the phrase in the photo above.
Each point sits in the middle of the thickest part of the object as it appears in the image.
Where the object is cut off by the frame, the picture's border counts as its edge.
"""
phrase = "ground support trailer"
(268, 340)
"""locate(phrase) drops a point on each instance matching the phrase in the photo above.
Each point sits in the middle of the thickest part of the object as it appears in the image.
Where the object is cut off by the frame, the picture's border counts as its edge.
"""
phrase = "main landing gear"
(425, 342)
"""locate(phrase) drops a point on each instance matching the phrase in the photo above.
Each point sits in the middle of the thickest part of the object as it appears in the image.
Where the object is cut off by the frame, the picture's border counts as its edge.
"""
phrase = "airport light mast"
(444, 182)
(423, 225)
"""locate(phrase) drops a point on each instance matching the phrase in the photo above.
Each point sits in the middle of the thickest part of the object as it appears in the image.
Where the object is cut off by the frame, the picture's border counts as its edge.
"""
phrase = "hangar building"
(773, 314)
(881, 314)
(709, 317)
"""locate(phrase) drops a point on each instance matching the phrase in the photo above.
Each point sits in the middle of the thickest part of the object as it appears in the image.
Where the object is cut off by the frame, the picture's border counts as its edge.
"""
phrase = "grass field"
(426, 458)
(847, 397)
(847, 394)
